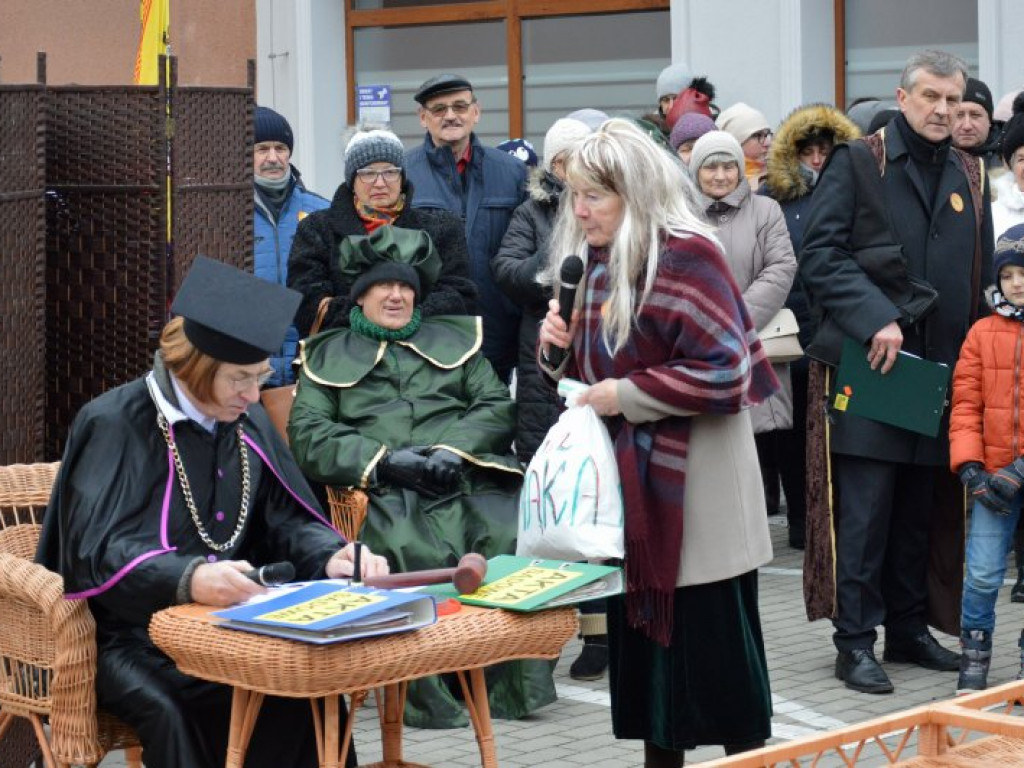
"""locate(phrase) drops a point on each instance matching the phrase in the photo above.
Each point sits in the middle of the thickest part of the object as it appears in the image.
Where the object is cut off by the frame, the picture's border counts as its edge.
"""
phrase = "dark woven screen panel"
(106, 244)
(22, 274)
(86, 274)
(212, 193)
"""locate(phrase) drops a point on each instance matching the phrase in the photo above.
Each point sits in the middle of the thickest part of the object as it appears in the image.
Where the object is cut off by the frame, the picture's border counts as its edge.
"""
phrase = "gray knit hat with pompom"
(376, 146)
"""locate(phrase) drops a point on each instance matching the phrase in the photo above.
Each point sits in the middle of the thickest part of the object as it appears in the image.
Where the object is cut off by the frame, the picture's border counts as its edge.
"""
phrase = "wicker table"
(256, 665)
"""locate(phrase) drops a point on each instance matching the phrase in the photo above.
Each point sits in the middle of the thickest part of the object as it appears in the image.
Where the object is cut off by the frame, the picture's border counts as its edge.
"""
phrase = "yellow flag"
(155, 16)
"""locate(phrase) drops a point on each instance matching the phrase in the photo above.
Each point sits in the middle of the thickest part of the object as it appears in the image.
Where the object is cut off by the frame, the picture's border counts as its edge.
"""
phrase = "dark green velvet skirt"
(710, 686)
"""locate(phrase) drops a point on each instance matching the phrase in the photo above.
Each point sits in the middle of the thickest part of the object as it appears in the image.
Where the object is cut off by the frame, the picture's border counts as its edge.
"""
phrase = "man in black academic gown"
(172, 487)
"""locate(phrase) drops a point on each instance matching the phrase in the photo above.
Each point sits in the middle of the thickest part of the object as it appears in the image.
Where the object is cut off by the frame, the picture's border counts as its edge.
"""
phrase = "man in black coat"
(172, 488)
(885, 477)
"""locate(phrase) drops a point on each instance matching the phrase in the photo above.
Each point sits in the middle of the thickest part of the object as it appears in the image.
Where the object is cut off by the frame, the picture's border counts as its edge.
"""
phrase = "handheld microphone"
(572, 271)
(272, 575)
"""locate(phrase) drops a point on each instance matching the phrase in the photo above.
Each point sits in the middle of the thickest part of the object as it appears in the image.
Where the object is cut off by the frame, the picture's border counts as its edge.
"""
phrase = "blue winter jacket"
(493, 186)
(271, 243)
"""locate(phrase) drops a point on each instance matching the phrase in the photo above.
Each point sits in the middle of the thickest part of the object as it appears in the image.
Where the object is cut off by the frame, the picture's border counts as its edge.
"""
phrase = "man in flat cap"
(972, 124)
(172, 488)
(453, 171)
(281, 202)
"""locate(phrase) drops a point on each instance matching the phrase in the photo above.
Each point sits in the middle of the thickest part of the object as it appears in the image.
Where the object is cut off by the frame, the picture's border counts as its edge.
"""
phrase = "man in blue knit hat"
(282, 201)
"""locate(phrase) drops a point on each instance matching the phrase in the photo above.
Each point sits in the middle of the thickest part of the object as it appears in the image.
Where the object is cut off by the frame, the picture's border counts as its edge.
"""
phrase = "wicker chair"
(48, 645)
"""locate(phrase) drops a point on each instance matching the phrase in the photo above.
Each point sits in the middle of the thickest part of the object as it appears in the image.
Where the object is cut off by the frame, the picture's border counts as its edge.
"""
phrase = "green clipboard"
(911, 396)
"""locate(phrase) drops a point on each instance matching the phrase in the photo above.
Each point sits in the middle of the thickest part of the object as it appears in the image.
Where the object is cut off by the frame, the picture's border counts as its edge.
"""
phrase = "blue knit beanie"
(1009, 249)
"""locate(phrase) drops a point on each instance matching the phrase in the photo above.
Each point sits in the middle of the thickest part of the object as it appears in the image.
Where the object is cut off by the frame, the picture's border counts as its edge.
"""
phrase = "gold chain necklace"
(186, 489)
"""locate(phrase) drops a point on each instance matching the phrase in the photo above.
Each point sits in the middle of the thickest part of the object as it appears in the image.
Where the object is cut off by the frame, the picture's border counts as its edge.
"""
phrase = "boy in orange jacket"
(986, 442)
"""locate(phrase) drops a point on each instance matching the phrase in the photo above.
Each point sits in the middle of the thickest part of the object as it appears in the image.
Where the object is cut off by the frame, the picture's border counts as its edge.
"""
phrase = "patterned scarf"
(693, 346)
(378, 217)
(1003, 307)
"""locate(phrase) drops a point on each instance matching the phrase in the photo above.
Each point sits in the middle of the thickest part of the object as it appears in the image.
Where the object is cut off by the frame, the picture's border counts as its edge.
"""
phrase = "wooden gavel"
(466, 577)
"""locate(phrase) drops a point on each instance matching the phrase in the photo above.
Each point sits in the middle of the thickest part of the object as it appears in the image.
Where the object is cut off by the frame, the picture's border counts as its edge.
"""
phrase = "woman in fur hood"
(795, 161)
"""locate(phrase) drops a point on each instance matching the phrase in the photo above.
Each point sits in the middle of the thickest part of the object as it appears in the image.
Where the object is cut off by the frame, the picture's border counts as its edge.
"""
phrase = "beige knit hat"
(742, 121)
(715, 143)
(563, 134)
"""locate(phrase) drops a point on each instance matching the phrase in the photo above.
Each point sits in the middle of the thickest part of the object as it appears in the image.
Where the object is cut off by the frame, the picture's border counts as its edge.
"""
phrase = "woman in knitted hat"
(797, 155)
(524, 253)
(750, 128)
(686, 131)
(406, 407)
(375, 192)
(760, 256)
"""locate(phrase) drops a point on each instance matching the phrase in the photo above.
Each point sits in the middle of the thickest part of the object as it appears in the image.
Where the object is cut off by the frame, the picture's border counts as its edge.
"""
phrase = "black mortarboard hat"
(439, 84)
(233, 316)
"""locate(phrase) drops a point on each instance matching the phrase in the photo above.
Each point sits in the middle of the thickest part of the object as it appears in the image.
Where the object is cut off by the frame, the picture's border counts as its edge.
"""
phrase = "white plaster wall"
(753, 51)
(300, 72)
(1001, 54)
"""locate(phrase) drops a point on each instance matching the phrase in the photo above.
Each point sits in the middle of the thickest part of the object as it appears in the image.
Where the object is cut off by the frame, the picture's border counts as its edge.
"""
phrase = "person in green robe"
(407, 409)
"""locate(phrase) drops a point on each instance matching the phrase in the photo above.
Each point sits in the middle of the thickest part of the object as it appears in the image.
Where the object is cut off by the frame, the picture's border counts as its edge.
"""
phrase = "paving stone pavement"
(576, 729)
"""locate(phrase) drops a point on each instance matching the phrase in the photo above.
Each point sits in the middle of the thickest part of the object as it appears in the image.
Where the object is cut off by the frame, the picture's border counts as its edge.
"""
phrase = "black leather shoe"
(923, 650)
(861, 671)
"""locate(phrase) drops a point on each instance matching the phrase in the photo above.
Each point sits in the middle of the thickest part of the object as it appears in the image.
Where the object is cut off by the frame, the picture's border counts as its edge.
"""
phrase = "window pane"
(403, 57)
(609, 62)
(882, 35)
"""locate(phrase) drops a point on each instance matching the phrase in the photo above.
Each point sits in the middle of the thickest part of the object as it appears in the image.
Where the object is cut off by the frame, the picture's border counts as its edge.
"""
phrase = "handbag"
(277, 401)
(779, 338)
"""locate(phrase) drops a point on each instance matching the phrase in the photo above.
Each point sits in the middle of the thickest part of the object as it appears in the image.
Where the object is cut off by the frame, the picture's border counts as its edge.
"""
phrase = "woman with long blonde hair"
(661, 335)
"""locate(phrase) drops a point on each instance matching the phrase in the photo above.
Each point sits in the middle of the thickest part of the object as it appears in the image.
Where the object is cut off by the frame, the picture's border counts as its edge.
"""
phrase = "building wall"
(93, 42)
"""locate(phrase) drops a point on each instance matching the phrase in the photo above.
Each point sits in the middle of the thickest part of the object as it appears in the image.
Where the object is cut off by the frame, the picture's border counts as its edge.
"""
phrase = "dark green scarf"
(364, 327)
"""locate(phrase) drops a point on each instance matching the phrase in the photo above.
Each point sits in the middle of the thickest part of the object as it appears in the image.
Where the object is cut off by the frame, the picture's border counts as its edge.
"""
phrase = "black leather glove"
(403, 467)
(443, 469)
(976, 482)
(1006, 483)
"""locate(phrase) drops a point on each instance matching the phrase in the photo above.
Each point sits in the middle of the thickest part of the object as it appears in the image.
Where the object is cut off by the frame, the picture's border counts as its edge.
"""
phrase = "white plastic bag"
(570, 507)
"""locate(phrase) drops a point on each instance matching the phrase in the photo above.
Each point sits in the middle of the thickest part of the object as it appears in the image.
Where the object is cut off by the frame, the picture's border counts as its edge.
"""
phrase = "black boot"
(797, 533)
(656, 757)
(593, 659)
(975, 658)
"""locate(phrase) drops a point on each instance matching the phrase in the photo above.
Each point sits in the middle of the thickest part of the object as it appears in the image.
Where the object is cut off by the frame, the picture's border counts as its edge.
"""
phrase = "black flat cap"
(233, 316)
(439, 84)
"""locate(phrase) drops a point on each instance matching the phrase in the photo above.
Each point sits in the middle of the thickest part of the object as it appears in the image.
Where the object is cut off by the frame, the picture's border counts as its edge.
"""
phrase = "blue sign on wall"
(373, 103)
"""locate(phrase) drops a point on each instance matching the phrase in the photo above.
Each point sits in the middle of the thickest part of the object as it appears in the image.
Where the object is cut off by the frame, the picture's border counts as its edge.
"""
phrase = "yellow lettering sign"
(524, 584)
(323, 607)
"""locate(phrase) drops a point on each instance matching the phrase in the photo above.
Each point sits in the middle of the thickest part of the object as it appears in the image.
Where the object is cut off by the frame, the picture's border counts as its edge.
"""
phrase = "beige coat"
(725, 523)
(753, 233)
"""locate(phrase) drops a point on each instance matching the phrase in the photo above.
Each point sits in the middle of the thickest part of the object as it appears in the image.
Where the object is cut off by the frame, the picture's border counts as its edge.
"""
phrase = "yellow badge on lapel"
(304, 214)
(957, 202)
